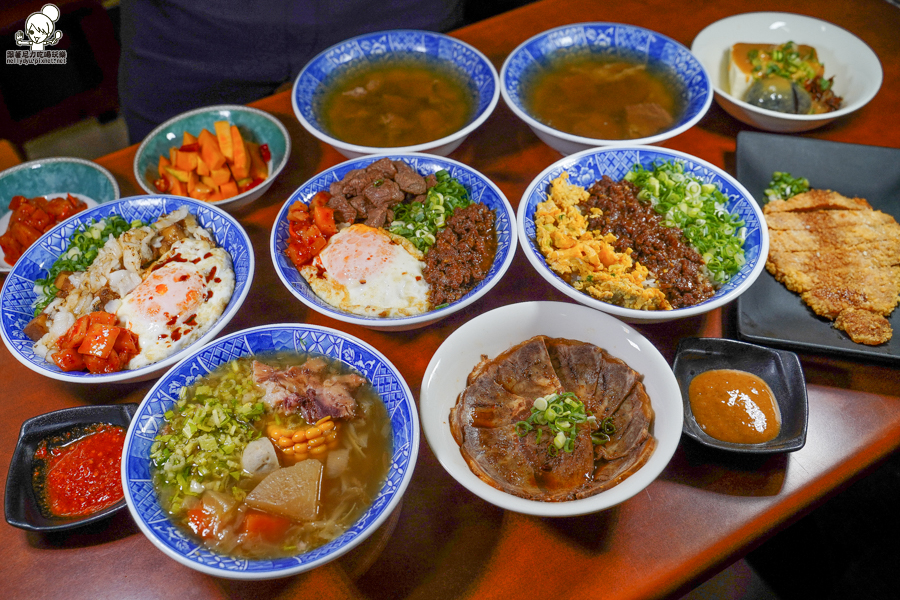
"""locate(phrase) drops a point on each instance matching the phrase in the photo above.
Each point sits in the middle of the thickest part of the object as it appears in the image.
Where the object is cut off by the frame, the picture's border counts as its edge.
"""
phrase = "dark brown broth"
(603, 97)
(396, 103)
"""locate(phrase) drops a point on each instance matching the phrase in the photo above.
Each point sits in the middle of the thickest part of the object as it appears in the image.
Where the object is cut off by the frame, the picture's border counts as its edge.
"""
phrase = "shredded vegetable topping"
(561, 414)
(699, 210)
(419, 222)
(84, 244)
(784, 186)
(200, 447)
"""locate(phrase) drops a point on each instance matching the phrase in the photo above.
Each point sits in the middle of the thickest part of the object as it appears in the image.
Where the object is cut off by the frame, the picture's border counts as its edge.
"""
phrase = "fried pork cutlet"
(841, 256)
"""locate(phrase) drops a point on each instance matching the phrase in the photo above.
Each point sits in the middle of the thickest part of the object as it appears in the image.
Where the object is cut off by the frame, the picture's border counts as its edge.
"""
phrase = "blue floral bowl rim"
(534, 123)
(483, 288)
(540, 264)
(424, 147)
(262, 569)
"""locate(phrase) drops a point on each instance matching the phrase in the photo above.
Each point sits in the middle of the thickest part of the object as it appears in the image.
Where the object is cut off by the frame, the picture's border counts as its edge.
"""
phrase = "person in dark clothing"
(183, 54)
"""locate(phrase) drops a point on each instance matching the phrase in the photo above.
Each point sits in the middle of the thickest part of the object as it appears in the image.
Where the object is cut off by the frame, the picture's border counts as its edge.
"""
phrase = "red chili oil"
(79, 472)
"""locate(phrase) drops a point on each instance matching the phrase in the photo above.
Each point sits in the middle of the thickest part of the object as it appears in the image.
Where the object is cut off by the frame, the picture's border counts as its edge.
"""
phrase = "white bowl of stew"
(401, 90)
(221, 533)
(585, 85)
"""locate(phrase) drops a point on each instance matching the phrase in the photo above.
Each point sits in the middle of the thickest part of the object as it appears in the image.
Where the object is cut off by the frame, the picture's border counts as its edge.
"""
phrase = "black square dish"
(22, 509)
(768, 313)
(779, 368)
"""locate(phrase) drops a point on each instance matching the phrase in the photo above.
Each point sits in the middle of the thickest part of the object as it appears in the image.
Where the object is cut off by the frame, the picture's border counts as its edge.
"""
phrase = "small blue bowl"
(17, 297)
(388, 382)
(53, 177)
(255, 126)
(584, 168)
(479, 73)
(606, 39)
(480, 188)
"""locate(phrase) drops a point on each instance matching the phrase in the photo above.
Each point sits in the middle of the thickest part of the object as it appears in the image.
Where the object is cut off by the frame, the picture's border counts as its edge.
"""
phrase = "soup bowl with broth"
(276, 512)
(399, 91)
(599, 84)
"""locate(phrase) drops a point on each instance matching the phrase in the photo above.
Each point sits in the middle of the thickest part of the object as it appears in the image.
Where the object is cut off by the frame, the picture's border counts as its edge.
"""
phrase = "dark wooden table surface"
(704, 511)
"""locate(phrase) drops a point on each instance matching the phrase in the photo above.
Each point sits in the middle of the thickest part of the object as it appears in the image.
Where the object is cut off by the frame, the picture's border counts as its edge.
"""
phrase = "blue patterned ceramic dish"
(390, 385)
(17, 297)
(480, 188)
(54, 177)
(478, 71)
(588, 166)
(255, 126)
(610, 39)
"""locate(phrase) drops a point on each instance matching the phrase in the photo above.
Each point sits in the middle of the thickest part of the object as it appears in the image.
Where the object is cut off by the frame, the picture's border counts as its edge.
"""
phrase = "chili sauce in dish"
(396, 102)
(734, 406)
(604, 97)
(78, 473)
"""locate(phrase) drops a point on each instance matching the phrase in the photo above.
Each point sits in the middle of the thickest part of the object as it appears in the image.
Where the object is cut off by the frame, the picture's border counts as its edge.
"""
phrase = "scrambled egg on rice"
(587, 259)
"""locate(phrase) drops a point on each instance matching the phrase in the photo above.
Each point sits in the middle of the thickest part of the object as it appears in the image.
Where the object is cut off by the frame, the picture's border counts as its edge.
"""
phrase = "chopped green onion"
(784, 186)
(699, 210)
(560, 415)
(84, 245)
(419, 222)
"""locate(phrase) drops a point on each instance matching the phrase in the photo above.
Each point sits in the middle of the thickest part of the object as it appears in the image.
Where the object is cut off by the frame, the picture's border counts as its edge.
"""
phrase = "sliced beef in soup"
(489, 420)
(308, 389)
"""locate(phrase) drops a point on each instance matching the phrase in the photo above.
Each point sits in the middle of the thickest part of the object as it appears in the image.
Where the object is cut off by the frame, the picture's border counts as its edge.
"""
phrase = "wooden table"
(704, 511)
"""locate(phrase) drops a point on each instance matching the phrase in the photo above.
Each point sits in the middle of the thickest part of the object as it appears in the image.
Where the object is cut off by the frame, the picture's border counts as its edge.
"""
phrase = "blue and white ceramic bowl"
(479, 73)
(388, 382)
(584, 168)
(17, 297)
(480, 188)
(607, 39)
(54, 177)
(255, 126)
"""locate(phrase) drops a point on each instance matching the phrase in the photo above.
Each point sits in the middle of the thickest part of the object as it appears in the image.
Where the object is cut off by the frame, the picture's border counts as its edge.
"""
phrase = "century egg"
(603, 96)
(395, 102)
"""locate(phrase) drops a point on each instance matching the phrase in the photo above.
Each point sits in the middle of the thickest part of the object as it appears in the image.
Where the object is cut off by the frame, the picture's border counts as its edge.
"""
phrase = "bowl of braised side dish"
(227, 155)
(643, 233)
(36, 195)
(396, 91)
(550, 409)
(585, 85)
(270, 451)
(393, 242)
(785, 73)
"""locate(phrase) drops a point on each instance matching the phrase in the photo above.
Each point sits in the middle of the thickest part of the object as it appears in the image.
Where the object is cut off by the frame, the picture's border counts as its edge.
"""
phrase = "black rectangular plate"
(770, 314)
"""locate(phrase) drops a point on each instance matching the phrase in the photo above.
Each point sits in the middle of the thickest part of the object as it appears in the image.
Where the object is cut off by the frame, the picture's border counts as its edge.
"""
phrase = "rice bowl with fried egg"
(166, 283)
(482, 192)
(368, 271)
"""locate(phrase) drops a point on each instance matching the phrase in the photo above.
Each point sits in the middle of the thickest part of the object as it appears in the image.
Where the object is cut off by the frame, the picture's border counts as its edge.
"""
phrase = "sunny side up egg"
(183, 295)
(367, 271)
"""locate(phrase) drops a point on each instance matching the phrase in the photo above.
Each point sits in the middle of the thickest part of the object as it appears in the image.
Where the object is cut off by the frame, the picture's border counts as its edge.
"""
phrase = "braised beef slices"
(500, 393)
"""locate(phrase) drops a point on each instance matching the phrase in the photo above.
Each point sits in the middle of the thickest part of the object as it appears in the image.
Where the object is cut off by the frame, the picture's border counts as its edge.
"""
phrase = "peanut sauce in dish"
(734, 406)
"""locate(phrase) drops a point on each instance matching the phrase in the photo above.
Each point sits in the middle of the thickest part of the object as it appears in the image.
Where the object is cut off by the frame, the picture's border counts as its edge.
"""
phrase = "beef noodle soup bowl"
(215, 471)
(399, 90)
(598, 84)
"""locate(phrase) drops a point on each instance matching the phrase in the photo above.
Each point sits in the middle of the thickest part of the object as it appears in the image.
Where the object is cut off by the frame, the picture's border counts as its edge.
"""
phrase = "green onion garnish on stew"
(559, 415)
